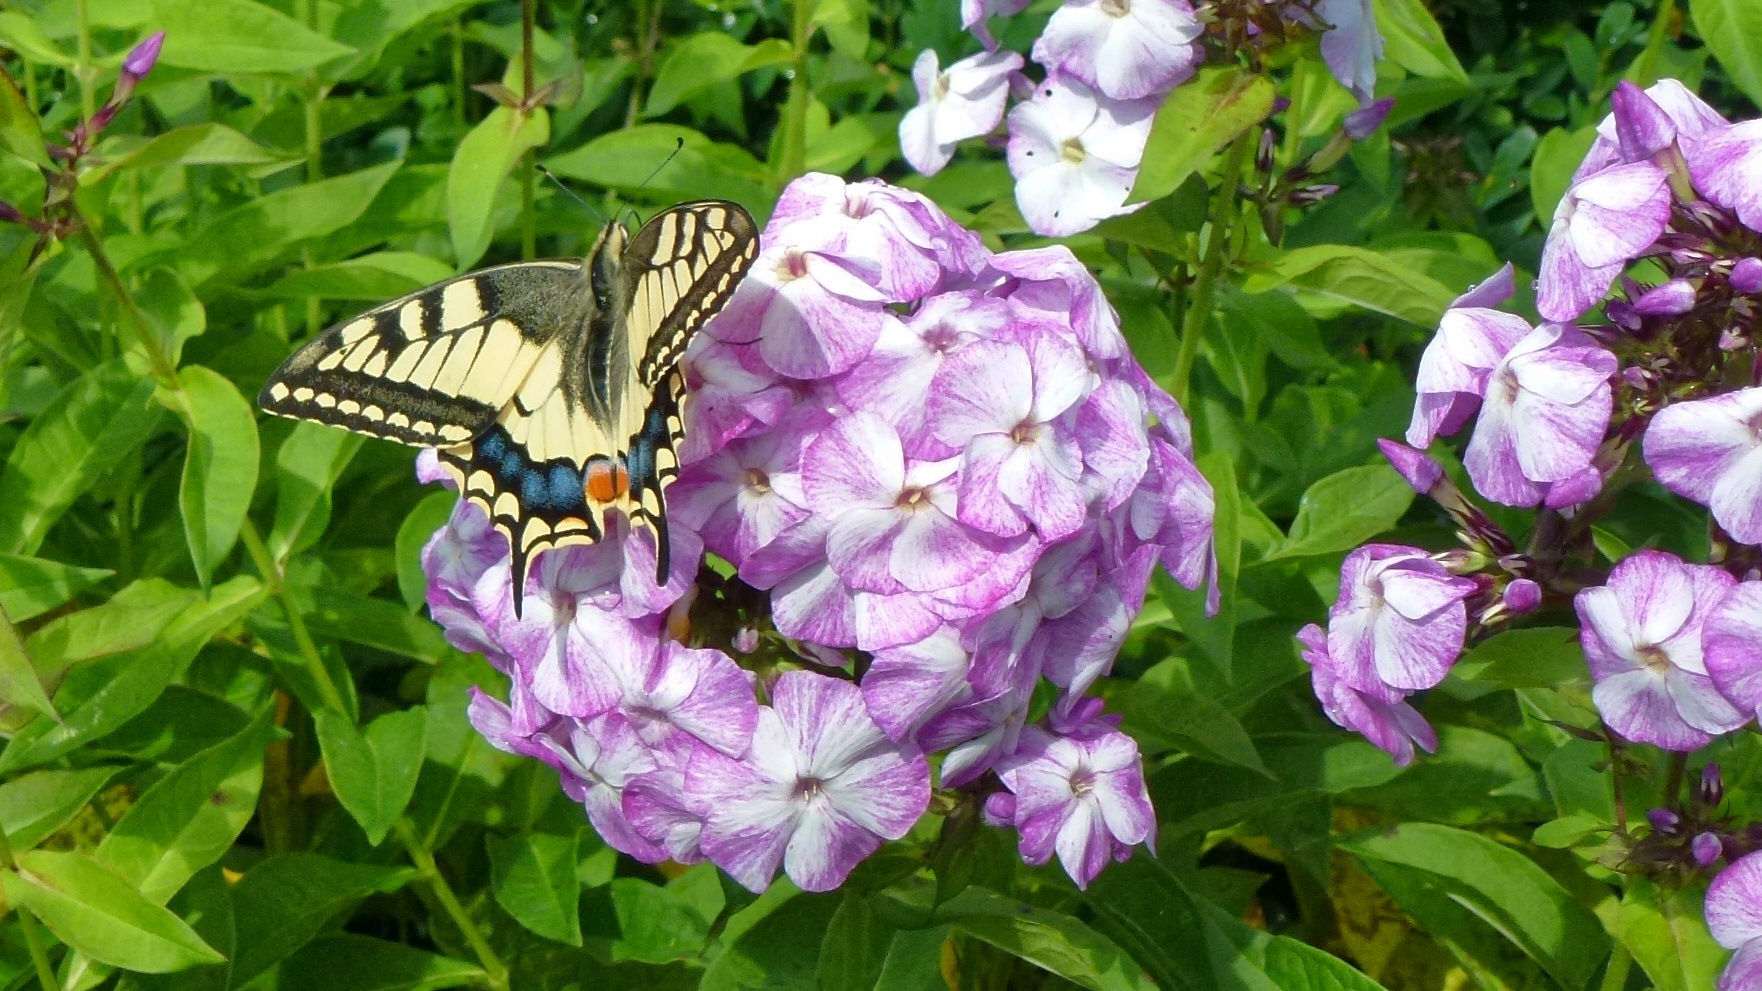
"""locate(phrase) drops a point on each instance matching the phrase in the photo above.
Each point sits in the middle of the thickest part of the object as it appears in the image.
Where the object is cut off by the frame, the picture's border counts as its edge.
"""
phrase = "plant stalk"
(272, 576)
(158, 359)
(495, 971)
(792, 157)
(528, 161)
(83, 69)
(1217, 251)
(1615, 974)
(314, 108)
(27, 924)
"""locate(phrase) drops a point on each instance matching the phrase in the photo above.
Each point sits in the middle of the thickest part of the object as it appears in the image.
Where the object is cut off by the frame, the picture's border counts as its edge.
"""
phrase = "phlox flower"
(743, 496)
(1731, 646)
(894, 381)
(1399, 622)
(894, 238)
(1603, 222)
(976, 14)
(1734, 917)
(732, 393)
(1709, 450)
(1081, 797)
(820, 789)
(1385, 719)
(1075, 155)
(1725, 163)
(1642, 636)
(1353, 46)
(1646, 122)
(1472, 339)
(963, 101)
(1123, 49)
(814, 313)
(1545, 410)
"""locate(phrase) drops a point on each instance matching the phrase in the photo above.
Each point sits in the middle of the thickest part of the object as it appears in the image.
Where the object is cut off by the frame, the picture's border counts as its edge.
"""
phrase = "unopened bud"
(1523, 595)
(141, 58)
(1746, 276)
(1711, 791)
(746, 640)
(10, 214)
(1706, 849)
(1663, 821)
(1311, 195)
(1363, 122)
(1415, 466)
(1000, 810)
(1672, 299)
(1263, 155)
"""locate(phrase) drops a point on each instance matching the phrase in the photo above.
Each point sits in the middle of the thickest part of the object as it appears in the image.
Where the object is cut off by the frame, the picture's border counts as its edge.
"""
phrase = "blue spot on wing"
(565, 488)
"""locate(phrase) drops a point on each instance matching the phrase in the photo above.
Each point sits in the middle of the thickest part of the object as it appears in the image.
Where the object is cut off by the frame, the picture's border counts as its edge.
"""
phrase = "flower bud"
(1672, 299)
(1641, 125)
(746, 640)
(1363, 122)
(1311, 195)
(1746, 276)
(1415, 466)
(10, 214)
(1663, 821)
(1706, 848)
(1711, 791)
(1263, 155)
(1000, 810)
(141, 58)
(1523, 595)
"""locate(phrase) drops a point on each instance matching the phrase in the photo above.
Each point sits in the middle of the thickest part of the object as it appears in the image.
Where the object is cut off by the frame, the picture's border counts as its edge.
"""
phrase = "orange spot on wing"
(606, 480)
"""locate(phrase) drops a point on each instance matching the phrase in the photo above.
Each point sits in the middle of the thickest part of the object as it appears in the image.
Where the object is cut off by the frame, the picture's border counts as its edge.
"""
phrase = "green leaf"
(773, 942)
(31, 586)
(707, 59)
(429, 515)
(1413, 40)
(1052, 941)
(627, 159)
(1556, 158)
(856, 946)
(1281, 323)
(124, 685)
(1344, 510)
(1668, 938)
(220, 467)
(373, 773)
(238, 36)
(132, 618)
(846, 23)
(372, 278)
(914, 961)
(1296, 966)
(1733, 29)
(248, 238)
(655, 924)
(1167, 224)
(173, 312)
(97, 913)
(1164, 704)
(1196, 121)
(284, 901)
(347, 962)
(306, 467)
(19, 683)
(533, 877)
(35, 805)
(377, 623)
(20, 131)
(209, 143)
(21, 33)
(1361, 277)
(1538, 657)
(190, 817)
(92, 424)
(1500, 886)
(483, 159)
(1149, 912)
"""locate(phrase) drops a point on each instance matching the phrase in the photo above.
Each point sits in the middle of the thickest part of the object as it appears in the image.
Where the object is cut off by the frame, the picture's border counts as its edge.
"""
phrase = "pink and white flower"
(1472, 339)
(1075, 155)
(1709, 450)
(1399, 622)
(1603, 222)
(1734, 917)
(1081, 797)
(963, 101)
(1123, 49)
(1384, 718)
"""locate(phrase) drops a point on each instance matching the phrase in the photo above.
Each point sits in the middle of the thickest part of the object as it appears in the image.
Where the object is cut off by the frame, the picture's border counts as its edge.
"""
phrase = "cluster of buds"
(1691, 836)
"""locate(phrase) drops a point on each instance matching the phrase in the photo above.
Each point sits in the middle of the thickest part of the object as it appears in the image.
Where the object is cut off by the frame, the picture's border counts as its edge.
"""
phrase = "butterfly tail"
(653, 465)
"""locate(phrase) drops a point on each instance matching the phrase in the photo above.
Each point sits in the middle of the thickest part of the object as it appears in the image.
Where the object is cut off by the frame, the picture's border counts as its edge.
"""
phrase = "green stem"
(158, 359)
(526, 70)
(272, 576)
(1616, 784)
(30, 85)
(494, 969)
(27, 923)
(1217, 251)
(1620, 962)
(314, 156)
(528, 212)
(459, 91)
(83, 70)
(792, 159)
(1679, 763)
(648, 26)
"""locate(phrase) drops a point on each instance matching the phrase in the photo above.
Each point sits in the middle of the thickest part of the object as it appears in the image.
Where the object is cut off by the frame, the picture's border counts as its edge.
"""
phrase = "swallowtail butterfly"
(550, 388)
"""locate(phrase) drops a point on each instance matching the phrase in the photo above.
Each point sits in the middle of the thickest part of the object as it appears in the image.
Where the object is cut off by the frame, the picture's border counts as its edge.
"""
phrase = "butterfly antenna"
(678, 147)
(577, 197)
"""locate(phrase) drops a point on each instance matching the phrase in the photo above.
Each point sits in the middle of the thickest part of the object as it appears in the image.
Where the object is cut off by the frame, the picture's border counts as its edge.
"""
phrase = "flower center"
(856, 202)
(913, 498)
(1116, 8)
(941, 339)
(793, 265)
(758, 481)
(1072, 151)
(1655, 659)
(809, 789)
(1082, 782)
(939, 89)
(1026, 432)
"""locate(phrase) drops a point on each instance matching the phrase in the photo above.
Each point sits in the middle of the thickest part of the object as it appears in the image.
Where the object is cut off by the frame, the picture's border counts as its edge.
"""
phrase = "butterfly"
(551, 389)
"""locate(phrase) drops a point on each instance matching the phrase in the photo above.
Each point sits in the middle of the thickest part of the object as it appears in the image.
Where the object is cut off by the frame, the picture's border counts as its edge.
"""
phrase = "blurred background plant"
(187, 582)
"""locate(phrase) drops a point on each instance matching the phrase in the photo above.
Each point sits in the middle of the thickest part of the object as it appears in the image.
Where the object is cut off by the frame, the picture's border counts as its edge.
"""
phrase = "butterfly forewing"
(550, 387)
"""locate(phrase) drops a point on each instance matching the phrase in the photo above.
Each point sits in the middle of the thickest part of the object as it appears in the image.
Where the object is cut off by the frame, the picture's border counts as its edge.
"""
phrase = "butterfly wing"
(436, 367)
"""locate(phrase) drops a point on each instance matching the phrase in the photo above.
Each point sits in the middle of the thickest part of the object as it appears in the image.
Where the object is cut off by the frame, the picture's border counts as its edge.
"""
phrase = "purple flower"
(1522, 595)
(1672, 299)
(1731, 642)
(907, 684)
(1725, 163)
(1709, 450)
(1124, 49)
(1385, 719)
(1545, 410)
(1642, 636)
(975, 14)
(894, 381)
(1399, 621)
(1706, 848)
(1082, 797)
(963, 101)
(820, 789)
(895, 239)
(1603, 222)
(745, 495)
(1354, 45)
(1020, 467)
(1051, 284)
(1075, 155)
(1635, 132)
(141, 57)
(1363, 122)
(1416, 468)
(1734, 917)
(1472, 339)
(813, 313)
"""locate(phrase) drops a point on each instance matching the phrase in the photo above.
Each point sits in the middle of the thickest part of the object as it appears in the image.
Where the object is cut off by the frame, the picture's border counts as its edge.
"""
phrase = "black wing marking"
(433, 368)
(678, 271)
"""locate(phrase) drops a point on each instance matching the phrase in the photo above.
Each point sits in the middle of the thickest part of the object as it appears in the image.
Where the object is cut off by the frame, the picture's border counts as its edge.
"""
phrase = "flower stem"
(1615, 781)
(83, 69)
(272, 576)
(1679, 763)
(528, 161)
(158, 359)
(792, 157)
(314, 155)
(458, 33)
(495, 971)
(27, 923)
(1615, 974)
(1217, 251)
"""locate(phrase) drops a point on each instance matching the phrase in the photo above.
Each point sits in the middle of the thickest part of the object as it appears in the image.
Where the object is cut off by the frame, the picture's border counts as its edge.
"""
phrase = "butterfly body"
(550, 388)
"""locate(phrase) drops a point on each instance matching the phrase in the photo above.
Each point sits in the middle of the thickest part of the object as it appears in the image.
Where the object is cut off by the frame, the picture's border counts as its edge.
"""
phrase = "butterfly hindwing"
(433, 368)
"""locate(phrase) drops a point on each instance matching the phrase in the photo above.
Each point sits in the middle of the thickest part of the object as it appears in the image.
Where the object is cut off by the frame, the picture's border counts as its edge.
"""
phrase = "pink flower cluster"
(1675, 648)
(1076, 139)
(931, 478)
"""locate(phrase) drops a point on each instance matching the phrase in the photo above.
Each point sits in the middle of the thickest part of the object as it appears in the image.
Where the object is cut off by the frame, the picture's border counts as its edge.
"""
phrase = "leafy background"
(186, 583)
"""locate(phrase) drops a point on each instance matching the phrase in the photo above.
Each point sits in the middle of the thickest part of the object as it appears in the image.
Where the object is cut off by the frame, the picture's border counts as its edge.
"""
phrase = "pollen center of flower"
(1116, 8)
(941, 339)
(1082, 782)
(939, 89)
(913, 498)
(793, 265)
(1072, 151)
(856, 201)
(1026, 432)
(758, 481)
(1655, 659)
(808, 789)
